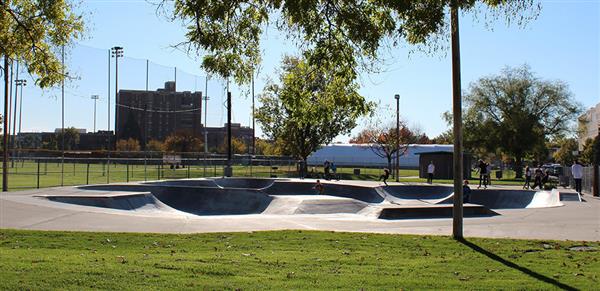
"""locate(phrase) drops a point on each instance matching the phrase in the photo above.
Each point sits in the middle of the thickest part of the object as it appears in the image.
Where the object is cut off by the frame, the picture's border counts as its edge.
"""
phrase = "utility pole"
(205, 114)
(62, 94)
(457, 213)
(253, 120)
(228, 169)
(397, 97)
(5, 133)
(147, 65)
(22, 83)
(95, 98)
(14, 122)
(108, 125)
(117, 52)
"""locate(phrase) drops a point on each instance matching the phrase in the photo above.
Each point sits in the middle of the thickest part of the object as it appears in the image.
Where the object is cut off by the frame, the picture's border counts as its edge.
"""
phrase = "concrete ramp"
(364, 194)
(409, 194)
(249, 183)
(185, 182)
(511, 199)
(135, 202)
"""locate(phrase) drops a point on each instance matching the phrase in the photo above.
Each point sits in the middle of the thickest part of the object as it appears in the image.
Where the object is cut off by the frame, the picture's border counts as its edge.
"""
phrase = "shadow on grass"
(515, 266)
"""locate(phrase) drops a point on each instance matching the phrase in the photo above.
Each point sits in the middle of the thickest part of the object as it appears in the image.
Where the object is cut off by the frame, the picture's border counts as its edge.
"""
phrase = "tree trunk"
(389, 159)
(518, 166)
(5, 132)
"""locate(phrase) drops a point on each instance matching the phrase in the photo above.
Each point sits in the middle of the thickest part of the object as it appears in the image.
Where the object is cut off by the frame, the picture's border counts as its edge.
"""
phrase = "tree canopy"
(182, 141)
(310, 107)
(34, 31)
(515, 112)
(227, 33)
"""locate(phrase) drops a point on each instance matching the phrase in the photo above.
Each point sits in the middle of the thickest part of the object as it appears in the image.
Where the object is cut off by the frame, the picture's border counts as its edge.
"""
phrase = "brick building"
(147, 115)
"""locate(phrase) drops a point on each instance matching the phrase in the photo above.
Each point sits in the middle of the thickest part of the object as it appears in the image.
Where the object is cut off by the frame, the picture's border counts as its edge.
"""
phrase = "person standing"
(488, 171)
(430, 172)
(527, 184)
(334, 171)
(326, 166)
(577, 172)
(481, 168)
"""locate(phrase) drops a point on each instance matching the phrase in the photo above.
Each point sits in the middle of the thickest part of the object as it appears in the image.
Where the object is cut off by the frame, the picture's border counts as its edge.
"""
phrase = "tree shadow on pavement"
(515, 266)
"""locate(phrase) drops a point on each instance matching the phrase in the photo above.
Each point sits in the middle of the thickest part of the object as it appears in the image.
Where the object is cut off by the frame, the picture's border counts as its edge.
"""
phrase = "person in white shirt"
(430, 171)
(577, 172)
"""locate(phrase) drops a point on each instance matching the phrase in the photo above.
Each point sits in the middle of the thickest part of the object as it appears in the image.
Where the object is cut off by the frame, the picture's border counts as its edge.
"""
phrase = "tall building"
(147, 115)
(589, 124)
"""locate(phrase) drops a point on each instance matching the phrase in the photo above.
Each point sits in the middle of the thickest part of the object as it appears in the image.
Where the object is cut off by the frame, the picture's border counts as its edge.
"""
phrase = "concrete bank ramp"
(432, 194)
(511, 199)
(364, 194)
(311, 204)
(185, 182)
(136, 202)
(249, 183)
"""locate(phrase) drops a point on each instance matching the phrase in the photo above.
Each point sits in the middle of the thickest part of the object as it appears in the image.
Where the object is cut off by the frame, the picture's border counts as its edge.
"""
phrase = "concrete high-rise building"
(146, 115)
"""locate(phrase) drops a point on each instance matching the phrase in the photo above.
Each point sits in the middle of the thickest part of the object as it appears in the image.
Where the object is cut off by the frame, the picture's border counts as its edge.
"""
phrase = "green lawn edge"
(289, 260)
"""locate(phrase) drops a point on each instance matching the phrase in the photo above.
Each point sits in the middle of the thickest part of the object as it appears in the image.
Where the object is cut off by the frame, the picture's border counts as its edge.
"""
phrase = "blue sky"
(562, 44)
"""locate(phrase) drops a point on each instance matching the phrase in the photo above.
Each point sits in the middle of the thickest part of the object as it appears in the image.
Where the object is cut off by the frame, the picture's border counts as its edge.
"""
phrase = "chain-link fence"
(29, 171)
(586, 181)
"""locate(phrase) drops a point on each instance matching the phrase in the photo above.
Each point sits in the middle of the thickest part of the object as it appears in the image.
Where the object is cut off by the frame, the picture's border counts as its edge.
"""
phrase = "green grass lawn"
(289, 260)
(24, 175)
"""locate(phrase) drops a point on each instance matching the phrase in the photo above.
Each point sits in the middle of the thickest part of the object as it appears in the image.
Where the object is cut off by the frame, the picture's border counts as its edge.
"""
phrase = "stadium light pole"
(397, 97)
(5, 132)
(22, 83)
(206, 98)
(117, 52)
(62, 128)
(95, 98)
(457, 209)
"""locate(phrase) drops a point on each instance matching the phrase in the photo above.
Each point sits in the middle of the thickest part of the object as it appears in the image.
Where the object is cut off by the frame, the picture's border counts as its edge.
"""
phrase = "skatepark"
(238, 204)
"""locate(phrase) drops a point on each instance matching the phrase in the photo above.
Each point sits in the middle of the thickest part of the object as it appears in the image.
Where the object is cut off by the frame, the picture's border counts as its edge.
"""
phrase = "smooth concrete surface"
(349, 206)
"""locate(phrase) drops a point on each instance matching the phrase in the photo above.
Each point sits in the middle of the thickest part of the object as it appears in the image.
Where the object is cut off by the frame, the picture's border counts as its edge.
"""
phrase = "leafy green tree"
(565, 155)
(311, 106)
(515, 113)
(268, 147)
(587, 152)
(238, 146)
(351, 33)
(34, 31)
(71, 136)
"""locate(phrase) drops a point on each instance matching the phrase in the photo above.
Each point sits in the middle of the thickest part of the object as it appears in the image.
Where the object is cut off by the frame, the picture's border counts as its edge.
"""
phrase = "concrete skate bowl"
(364, 194)
(254, 183)
(194, 200)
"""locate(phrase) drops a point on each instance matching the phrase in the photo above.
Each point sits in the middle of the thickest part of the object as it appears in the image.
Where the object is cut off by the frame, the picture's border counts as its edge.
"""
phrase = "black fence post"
(127, 173)
(158, 171)
(38, 174)
(188, 171)
(87, 174)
